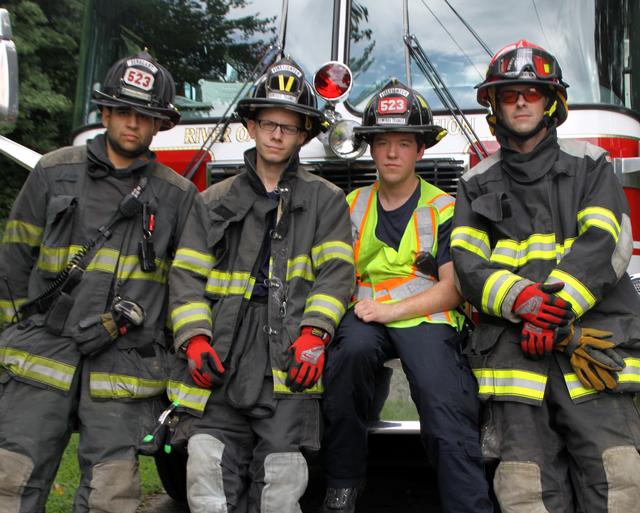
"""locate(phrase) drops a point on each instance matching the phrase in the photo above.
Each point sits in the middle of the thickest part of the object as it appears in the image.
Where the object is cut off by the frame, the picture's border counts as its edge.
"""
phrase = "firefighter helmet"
(398, 108)
(525, 63)
(284, 86)
(139, 82)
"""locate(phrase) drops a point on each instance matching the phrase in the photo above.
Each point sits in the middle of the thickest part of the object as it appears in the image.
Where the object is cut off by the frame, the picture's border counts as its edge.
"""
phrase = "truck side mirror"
(8, 72)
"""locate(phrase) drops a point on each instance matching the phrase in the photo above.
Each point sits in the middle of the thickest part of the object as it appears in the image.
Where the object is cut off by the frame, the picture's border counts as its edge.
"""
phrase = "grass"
(66, 481)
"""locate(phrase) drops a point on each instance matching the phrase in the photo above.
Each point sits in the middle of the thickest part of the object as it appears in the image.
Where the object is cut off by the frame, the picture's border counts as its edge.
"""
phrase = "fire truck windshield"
(211, 46)
(591, 39)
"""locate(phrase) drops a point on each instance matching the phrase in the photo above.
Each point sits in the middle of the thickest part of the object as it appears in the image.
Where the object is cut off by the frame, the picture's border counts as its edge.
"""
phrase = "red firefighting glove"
(306, 358)
(204, 363)
(537, 305)
(535, 341)
(591, 355)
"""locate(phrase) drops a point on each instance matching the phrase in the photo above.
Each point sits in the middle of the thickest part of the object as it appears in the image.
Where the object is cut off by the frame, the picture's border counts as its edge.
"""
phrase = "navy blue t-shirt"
(393, 223)
(260, 290)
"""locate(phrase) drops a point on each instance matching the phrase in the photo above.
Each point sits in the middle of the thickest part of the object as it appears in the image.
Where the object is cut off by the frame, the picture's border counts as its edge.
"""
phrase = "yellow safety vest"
(387, 275)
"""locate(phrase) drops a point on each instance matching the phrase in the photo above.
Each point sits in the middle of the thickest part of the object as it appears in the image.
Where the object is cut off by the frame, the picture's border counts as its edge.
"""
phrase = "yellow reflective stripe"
(495, 289)
(326, 305)
(105, 260)
(329, 250)
(55, 259)
(575, 387)
(517, 254)
(6, 308)
(280, 377)
(631, 372)
(510, 382)
(472, 240)
(598, 217)
(299, 267)
(574, 291)
(191, 312)
(223, 283)
(194, 398)
(37, 368)
(129, 269)
(194, 261)
(119, 386)
(563, 249)
(19, 232)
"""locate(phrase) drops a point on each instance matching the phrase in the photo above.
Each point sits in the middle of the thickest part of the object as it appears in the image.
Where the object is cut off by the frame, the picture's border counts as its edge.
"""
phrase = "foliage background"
(47, 35)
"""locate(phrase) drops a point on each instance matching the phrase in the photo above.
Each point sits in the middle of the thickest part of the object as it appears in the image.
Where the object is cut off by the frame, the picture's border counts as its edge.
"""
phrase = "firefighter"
(86, 253)
(260, 281)
(541, 243)
(405, 307)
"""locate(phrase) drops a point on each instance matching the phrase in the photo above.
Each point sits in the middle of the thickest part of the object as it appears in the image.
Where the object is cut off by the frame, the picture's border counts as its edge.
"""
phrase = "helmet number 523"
(138, 78)
(394, 105)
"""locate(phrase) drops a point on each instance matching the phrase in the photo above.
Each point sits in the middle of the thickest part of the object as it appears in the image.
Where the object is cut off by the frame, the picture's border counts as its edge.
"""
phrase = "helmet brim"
(428, 134)
(247, 107)
(169, 117)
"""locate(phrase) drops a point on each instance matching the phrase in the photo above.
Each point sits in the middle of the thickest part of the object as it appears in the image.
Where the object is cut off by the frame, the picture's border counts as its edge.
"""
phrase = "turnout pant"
(442, 387)
(35, 426)
(248, 459)
(563, 457)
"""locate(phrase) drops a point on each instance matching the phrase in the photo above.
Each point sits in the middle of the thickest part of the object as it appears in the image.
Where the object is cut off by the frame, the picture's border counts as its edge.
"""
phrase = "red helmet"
(525, 63)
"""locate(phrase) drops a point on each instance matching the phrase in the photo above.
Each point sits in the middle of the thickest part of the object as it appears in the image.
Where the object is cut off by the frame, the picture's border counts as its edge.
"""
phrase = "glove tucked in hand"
(536, 341)
(306, 358)
(591, 355)
(537, 305)
(204, 363)
(95, 333)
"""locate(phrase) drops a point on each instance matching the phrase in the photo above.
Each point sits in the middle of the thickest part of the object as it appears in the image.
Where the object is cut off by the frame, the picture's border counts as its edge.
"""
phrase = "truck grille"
(444, 173)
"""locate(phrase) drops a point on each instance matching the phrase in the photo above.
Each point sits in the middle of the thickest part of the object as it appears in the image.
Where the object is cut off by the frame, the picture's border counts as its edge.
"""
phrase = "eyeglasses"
(270, 126)
(510, 96)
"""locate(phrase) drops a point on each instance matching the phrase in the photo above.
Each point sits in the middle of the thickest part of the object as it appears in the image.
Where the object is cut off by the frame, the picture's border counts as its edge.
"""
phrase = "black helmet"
(398, 108)
(284, 86)
(525, 63)
(141, 83)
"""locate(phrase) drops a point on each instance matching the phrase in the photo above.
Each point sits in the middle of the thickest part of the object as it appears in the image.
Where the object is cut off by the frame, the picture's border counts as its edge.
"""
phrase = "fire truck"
(215, 50)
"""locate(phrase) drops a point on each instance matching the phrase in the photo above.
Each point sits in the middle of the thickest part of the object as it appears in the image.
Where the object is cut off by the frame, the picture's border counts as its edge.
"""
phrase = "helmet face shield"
(525, 63)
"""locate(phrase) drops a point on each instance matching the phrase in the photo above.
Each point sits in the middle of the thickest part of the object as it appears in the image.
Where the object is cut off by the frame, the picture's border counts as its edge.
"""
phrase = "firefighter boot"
(340, 500)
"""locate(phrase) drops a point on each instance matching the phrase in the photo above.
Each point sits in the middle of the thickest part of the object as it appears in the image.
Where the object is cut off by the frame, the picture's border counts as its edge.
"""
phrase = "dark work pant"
(563, 457)
(442, 388)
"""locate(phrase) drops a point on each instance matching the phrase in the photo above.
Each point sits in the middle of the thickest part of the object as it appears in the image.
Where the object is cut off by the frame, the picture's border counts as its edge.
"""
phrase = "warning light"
(333, 81)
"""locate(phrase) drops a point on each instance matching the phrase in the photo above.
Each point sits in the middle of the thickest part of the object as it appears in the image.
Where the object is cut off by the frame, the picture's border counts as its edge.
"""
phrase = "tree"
(47, 34)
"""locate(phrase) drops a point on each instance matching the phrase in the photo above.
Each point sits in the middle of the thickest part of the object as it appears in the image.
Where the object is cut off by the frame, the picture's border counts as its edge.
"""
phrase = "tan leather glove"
(592, 356)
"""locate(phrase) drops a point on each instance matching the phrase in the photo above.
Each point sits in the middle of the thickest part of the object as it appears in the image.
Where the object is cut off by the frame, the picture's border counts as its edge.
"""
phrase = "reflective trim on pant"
(285, 480)
(518, 486)
(249, 443)
(205, 486)
(15, 471)
(622, 467)
(34, 423)
(115, 487)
